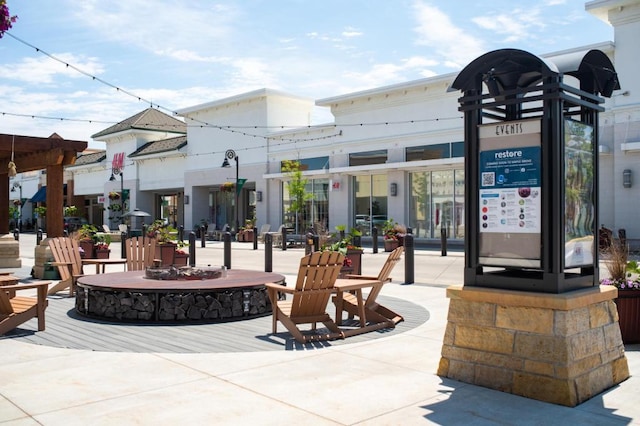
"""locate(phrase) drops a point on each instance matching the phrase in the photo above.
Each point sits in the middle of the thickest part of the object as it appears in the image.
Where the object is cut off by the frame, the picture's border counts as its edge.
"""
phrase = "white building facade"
(394, 152)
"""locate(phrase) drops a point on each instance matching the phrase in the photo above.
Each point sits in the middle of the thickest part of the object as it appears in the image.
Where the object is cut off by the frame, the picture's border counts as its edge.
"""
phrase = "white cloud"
(351, 32)
(44, 70)
(517, 25)
(436, 31)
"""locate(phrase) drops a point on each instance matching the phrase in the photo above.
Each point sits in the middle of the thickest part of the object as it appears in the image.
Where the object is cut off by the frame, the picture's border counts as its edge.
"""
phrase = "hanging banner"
(241, 183)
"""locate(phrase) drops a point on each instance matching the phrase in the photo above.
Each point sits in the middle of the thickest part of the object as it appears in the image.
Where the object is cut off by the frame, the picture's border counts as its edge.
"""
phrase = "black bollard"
(192, 249)
(39, 236)
(409, 259)
(203, 236)
(123, 246)
(443, 241)
(284, 238)
(316, 242)
(255, 238)
(16, 234)
(227, 249)
(268, 252)
(374, 239)
(181, 233)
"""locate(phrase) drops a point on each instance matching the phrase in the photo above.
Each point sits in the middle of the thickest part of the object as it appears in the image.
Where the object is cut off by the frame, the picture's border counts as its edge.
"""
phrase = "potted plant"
(113, 195)
(166, 241)
(344, 243)
(625, 275)
(393, 234)
(101, 245)
(227, 187)
(86, 235)
(181, 257)
(246, 232)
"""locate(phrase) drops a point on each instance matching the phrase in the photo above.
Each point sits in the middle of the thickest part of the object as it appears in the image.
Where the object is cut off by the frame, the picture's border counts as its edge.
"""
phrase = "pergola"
(33, 153)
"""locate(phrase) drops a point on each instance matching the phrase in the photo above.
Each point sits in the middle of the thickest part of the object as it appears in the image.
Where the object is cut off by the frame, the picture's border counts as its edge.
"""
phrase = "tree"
(296, 185)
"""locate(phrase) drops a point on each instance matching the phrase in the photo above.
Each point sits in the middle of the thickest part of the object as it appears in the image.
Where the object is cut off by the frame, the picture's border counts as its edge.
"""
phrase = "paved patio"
(386, 379)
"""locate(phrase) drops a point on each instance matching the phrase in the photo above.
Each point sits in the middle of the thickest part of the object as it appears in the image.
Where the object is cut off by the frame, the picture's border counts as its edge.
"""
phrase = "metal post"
(203, 236)
(227, 249)
(123, 247)
(16, 234)
(316, 243)
(192, 249)
(409, 259)
(39, 236)
(284, 238)
(255, 238)
(268, 252)
(181, 232)
(443, 240)
(374, 239)
(308, 243)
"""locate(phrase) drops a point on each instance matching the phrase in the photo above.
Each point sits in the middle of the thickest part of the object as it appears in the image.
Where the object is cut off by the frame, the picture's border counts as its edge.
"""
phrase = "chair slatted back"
(317, 275)
(66, 250)
(140, 252)
(385, 272)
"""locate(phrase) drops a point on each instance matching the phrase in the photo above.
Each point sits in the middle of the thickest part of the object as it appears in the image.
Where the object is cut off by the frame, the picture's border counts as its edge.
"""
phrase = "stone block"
(519, 318)
(578, 367)
(484, 338)
(541, 348)
(466, 312)
(594, 382)
(494, 378)
(449, 334)
(584, 344)
(538, 367)
(480, 357)
(599, 315)
(619, 370)
(462, 371)
(543, 388)
(571, 322)
(443, 367)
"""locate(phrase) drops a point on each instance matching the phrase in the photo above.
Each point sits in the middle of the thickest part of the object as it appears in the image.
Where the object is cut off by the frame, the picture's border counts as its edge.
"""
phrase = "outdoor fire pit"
(176, 295)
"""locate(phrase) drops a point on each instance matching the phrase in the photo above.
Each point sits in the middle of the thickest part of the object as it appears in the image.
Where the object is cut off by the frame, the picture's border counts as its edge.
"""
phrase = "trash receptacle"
(50, 272)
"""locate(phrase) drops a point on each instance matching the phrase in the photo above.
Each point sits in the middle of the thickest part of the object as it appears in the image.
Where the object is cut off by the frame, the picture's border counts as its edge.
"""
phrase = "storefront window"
(370, 201)
(437, 201)
(316, 211)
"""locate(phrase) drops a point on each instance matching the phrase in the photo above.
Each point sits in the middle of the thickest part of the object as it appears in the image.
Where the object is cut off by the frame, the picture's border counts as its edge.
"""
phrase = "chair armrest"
(61, 263)
(26, 286)
(280, 287)
(360, 277)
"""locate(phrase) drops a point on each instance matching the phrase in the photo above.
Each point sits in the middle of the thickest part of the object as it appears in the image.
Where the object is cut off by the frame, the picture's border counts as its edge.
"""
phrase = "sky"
(112, 59)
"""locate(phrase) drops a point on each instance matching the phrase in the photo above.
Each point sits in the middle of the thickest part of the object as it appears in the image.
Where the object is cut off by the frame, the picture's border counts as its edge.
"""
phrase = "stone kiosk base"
(559, 348)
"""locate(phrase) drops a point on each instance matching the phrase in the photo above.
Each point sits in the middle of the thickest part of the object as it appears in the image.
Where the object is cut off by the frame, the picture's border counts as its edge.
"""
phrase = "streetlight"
(114, 172)
(231, 155)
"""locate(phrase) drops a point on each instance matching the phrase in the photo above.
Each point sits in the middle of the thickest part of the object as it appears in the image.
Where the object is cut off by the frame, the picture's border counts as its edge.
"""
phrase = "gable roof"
(91, 158)
(156, 147)
(149, 119)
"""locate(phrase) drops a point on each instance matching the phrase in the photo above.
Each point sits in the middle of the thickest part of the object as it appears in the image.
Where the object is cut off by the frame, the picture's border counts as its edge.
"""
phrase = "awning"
(40, 196)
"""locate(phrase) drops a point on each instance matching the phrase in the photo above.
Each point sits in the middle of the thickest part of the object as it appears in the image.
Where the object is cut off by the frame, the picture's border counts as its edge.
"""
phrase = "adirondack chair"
(15, 310)
(263, 231)
(66, 255)
(373, 310)
(140, 252)
(314, 286)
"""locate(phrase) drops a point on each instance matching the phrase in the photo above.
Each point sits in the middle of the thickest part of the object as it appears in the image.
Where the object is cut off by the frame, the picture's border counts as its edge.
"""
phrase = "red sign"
(118, 161)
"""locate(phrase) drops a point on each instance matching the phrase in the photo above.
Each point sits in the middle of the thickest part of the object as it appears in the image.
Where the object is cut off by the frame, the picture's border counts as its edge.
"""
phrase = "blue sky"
(183, 53)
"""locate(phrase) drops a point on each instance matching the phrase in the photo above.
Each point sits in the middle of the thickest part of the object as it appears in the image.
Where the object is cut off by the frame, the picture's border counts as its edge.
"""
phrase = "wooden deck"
(66, 329)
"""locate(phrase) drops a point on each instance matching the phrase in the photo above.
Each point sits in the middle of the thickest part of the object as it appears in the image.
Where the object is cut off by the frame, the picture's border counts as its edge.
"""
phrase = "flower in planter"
(347, 262)
(102, 246)
(113, 195)
(17, 202)
(623, 273)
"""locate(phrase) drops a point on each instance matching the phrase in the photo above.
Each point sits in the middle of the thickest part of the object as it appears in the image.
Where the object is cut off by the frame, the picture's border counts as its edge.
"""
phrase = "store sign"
(510, 193)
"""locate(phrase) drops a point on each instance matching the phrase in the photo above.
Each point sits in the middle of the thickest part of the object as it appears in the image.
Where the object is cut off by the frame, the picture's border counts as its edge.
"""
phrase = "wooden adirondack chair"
(15, 310)
(314, 286)
(373, 310)
(141, 253)
(66, 255)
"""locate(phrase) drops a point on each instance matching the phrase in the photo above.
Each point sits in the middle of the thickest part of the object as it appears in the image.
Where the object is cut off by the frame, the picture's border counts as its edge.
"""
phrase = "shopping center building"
(390, 152)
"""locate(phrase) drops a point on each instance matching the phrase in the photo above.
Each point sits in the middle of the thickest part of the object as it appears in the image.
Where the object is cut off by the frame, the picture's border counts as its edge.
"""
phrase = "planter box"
(628, 303)
(102, 253)
(167, 253)
(89, 249)
(181, 259)
(391, 245)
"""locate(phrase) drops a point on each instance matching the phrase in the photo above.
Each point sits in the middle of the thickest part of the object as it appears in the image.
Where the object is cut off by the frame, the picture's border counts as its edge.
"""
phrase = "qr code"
(488, 179)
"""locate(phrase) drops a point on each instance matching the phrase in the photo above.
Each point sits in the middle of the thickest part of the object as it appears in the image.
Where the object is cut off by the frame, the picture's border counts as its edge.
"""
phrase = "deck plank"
(66, 329)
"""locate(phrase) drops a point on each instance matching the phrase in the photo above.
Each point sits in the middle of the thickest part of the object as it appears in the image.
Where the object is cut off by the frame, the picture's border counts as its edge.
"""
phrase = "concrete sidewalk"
(386, 381)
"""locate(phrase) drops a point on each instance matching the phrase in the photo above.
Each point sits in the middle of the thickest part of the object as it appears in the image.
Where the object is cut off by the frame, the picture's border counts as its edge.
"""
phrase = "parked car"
(73, 223)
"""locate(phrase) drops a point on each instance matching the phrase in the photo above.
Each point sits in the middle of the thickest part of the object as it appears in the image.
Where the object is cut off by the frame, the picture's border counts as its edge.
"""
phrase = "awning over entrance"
(40, 196)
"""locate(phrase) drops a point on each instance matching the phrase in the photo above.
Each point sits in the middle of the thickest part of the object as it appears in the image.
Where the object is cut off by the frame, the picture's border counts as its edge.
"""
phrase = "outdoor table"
(8, 279)
(103, 263)
(354, 286)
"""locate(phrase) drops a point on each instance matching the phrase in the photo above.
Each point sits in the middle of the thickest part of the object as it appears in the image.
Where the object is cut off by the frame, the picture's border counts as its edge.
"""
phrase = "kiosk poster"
(579, 206)
(510, 201)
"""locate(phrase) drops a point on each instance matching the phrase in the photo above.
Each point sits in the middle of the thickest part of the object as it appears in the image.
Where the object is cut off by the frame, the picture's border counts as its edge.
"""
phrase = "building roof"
(149, 119)
(91, 158)
(156, 147)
